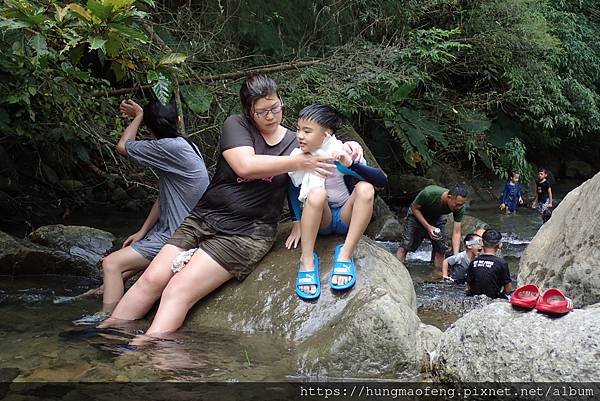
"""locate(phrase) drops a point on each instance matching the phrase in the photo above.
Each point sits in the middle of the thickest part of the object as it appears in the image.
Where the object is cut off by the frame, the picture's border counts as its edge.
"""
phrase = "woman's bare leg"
(143, 294)
(201, 276)
(126, 261)
(357, 214)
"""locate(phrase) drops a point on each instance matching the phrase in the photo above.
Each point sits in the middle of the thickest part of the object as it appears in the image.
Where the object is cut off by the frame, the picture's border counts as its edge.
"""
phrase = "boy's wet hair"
(324, 115)
(458, 190)
(543, 170)
(512, 174)
(161, 119)
(471, 239)
(256, 86)
(491, 237)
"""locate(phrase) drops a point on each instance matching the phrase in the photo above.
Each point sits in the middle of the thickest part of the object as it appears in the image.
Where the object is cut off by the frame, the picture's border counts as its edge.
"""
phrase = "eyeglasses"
(273, 110)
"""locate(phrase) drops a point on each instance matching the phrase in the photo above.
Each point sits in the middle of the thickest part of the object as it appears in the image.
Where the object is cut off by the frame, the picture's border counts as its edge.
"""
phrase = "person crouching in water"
(488, 274)
(332, 205)
(458, 264)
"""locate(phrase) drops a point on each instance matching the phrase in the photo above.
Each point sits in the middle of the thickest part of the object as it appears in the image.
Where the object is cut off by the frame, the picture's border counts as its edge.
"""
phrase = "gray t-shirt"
(182, 180)
(459, 264)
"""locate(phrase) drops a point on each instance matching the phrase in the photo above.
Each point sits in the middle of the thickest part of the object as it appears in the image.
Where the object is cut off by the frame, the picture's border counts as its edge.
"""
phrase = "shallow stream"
(40, 342)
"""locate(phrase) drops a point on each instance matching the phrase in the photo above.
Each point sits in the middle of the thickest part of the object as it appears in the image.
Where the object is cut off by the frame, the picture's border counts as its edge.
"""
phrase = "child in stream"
(332, 205)
(511, 196)
(488, 274)
(458, 264)
(543, 193)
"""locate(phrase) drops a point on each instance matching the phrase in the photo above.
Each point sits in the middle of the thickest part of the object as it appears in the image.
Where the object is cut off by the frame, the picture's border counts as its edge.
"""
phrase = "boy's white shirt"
(306, 180)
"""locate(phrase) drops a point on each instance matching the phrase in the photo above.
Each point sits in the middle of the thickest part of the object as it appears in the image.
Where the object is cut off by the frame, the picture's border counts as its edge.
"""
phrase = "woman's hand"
(320, 165)
(133, 238)
(294, 238)
(129, 108)
(354, 149)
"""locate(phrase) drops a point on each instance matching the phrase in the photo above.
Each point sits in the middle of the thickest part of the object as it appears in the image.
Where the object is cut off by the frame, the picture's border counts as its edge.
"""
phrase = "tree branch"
(217, 77)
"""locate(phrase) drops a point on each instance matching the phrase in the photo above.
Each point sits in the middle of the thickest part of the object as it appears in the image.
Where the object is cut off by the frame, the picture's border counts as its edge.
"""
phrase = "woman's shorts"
(238, 254)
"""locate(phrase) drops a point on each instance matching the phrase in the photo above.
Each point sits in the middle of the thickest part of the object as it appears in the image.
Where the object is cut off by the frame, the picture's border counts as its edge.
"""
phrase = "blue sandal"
(309, 278)
(342, 269)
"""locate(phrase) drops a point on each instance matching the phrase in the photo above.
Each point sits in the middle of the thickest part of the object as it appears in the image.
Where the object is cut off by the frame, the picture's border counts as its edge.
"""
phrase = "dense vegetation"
(491, 83)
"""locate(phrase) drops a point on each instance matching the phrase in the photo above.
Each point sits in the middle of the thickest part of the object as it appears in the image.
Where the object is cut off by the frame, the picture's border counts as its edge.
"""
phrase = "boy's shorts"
(337, 225)
(415, 233)
(238, 254)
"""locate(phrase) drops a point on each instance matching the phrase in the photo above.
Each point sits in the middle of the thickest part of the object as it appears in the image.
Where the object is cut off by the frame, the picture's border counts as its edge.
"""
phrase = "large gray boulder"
(371, 331)
(501, 344)
(59, 250)
(565, 252)
(384, 225)
(85, 244)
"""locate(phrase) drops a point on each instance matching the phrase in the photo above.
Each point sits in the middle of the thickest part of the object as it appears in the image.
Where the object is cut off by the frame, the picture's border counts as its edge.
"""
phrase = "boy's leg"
(200, 277)
(124, 262)
(143, 294)
(315, 214)
(356, 213)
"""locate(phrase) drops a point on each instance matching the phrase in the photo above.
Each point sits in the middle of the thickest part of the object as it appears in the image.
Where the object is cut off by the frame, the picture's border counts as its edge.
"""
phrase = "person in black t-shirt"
(543, 192)
(488, 274)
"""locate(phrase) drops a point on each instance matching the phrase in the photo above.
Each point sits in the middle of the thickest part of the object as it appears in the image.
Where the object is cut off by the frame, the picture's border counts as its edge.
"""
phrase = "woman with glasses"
(234, 224)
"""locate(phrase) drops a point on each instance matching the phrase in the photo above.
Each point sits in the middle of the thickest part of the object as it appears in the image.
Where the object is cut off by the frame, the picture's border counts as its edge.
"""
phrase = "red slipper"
(525, 296)
(554, 302)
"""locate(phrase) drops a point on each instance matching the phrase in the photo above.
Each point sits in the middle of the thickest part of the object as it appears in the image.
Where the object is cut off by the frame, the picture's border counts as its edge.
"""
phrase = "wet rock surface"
(502, 344)
(370, 331)
(565, 252)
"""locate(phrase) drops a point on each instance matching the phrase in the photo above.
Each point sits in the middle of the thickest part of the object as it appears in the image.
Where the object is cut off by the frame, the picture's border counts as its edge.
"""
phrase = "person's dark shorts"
(415, 233)
(238, 254)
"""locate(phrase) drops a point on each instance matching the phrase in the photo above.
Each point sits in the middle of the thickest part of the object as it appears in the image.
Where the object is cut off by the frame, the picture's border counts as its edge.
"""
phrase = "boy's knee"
(365, 190)
(317, 197)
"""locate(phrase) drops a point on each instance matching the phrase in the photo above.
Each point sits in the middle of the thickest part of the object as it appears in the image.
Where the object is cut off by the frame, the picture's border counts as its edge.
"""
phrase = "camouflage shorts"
(238, 254)
(414, 234)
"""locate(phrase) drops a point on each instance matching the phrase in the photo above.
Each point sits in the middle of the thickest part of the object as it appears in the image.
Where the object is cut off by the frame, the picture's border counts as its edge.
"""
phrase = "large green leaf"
(197, 98)
(475, 122)
(97, 43)
(80, 12)
(38, 43)
(161, 86)
(128, 31)
(118, 4)
(100, 10)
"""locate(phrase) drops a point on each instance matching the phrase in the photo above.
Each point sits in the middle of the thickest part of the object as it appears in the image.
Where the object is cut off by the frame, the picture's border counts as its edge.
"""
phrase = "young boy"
(460, 262)
(511, 196)
(331, 205)
(488, 274)
(543, 193)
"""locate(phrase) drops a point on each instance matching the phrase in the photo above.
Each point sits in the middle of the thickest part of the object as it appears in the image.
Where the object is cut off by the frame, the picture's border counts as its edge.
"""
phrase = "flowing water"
(40, 342)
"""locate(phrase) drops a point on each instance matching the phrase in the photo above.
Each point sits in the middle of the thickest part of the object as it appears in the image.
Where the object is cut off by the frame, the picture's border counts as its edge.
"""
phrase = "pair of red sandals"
(552, 301)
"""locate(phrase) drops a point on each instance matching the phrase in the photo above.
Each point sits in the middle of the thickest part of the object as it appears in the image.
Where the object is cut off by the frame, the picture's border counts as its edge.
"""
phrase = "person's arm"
(456, 234)
(246, 164)
(507, 288)
(445, 264)
(535, 199)
(504, 196)
(148, 224)
(416, 210)
(131, 109)
(549, 196)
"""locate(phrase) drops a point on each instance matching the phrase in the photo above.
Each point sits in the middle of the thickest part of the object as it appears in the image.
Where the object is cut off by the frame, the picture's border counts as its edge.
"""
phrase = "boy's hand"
(295, 235)
(354, 149)
(534, 205)
(502, 206)
(344, 158)
(520, 201)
